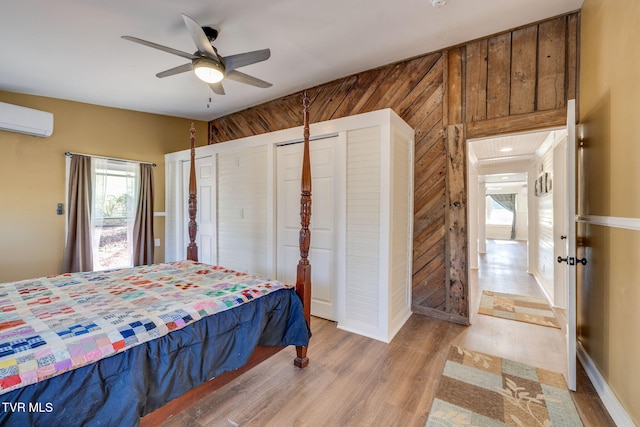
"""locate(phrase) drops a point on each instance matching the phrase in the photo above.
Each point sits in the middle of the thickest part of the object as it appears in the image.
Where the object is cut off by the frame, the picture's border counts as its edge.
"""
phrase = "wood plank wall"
(515, 81)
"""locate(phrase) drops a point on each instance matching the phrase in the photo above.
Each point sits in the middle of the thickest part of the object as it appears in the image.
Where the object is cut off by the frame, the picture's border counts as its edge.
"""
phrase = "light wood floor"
(356, 381)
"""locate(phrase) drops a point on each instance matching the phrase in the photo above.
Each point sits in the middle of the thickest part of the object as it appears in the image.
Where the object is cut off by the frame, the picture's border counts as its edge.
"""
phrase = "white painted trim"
(396, 324)
(272, 208)
(384, 244)
(615, 409)
(366, 330)
(159, 214)
(610, 221)
(539, 280)
(340, 240)
(571, 278)
(285, 136)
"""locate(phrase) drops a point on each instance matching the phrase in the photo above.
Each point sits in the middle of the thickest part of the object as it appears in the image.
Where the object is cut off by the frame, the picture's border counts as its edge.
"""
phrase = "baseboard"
(610, 401)
(437, 314)
(539, 280)
(363, 330)
(398, 322)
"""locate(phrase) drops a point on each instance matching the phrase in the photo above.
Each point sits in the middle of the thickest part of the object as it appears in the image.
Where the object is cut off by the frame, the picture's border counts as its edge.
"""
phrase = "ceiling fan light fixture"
(208, 70)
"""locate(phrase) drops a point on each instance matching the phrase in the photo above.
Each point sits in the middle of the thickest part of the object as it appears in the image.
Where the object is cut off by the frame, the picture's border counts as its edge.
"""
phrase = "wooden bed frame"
(303, 283)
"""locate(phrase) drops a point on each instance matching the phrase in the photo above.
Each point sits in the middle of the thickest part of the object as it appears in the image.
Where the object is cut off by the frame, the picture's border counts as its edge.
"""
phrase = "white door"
(560, 223)
(205, 214)
(323, 235)
(569, 259)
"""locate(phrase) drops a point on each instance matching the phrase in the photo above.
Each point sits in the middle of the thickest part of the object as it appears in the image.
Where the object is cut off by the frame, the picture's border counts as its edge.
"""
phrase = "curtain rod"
(70, 154)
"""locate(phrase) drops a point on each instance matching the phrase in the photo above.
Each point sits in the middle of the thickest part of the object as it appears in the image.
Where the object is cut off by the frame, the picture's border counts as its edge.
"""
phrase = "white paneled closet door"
(324, 207)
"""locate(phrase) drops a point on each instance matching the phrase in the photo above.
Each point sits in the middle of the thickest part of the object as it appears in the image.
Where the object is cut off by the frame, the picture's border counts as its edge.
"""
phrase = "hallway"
(504, 269)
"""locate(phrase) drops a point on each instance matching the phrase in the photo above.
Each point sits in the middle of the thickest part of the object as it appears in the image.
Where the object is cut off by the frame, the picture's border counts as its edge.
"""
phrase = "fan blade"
(217, 88)
(243, 59)
(246, 79)
(175, 70)
(160, 47)
(199, 37)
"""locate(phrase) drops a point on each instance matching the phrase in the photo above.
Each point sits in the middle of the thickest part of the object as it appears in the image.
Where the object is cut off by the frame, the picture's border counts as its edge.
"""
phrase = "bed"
(109, 347)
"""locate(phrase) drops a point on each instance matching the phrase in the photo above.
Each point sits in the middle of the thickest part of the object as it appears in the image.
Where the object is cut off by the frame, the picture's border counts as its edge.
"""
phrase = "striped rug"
(518, 307)
(478, 389)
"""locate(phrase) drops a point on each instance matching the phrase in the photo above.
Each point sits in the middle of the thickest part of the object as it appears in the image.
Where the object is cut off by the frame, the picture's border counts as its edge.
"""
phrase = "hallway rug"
(518, 307)
(478, 389)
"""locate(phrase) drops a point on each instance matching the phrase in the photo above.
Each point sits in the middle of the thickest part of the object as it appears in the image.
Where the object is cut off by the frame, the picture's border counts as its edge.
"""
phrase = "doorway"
(527, 167)
(531, 168)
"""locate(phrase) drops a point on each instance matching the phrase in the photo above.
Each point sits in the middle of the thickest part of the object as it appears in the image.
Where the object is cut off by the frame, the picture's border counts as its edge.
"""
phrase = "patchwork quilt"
(54, 324)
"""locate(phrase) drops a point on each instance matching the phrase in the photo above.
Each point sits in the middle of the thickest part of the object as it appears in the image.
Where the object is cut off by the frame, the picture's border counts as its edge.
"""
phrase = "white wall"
(544, 245)
(472, 206)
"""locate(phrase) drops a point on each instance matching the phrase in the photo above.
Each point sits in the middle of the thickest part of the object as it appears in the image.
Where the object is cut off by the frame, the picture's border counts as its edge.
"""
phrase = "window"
(109, 215)
(113, 209)
(496, 214)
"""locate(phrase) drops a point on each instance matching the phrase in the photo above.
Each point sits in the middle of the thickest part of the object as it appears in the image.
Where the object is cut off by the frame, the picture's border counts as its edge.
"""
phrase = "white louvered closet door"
(323, 223)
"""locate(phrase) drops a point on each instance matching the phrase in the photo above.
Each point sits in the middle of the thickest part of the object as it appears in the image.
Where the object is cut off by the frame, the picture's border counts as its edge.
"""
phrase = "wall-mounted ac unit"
(14, 118)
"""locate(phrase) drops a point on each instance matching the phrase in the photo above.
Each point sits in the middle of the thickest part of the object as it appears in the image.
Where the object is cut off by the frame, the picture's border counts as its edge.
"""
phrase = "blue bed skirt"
(119, 390)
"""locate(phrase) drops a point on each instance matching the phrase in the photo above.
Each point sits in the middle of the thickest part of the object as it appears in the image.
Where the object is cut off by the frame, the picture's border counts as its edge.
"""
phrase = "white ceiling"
(491, 151)
(500, 160)
(505, 159)
(71, 49)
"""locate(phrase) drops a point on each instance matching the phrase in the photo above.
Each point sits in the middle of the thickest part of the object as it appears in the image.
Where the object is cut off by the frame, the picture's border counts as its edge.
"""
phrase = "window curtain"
(78, 255)
(143, 238)
(507, 201)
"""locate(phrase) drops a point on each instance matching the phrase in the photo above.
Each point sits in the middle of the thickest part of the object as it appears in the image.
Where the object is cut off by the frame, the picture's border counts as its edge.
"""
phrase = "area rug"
(518, 307)
(478, 389)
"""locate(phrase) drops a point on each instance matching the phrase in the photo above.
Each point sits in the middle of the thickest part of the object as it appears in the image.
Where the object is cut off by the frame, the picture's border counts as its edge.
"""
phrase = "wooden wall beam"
(476, 81)
(552, 42)
(524, 48)
(455, 85)
(499, 76)
(456, 223)
(573, 34)
(520, 123)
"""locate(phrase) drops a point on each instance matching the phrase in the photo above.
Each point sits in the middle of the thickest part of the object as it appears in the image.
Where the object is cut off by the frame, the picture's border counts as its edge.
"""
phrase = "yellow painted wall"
(32, 174)
(609, 294)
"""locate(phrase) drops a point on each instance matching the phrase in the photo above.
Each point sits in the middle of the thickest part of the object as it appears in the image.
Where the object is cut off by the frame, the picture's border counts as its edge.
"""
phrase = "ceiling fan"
(207, 65)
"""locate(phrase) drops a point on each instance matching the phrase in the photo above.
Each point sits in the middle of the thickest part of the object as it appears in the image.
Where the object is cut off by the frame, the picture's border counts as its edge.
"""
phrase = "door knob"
(572, 261)
(563, 237)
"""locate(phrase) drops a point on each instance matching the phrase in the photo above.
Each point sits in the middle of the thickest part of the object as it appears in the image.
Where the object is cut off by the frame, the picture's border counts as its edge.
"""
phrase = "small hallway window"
(496, 214)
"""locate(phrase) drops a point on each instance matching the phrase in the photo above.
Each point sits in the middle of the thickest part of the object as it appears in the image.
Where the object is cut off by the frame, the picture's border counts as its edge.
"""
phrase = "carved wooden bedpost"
(192, 248)
(303, 278)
